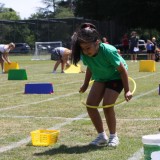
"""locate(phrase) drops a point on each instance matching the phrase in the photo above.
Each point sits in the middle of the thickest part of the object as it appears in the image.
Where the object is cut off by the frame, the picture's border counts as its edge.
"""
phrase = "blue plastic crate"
(39, 88)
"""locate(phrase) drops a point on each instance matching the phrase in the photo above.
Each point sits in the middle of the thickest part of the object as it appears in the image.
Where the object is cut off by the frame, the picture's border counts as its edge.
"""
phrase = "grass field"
(22, 113)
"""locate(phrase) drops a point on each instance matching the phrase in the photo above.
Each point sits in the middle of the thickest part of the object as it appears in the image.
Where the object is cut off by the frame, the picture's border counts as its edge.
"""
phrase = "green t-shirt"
(103, 65)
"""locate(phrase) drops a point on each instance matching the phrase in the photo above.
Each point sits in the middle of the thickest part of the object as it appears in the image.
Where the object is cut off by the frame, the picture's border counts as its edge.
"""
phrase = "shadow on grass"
(71, 150)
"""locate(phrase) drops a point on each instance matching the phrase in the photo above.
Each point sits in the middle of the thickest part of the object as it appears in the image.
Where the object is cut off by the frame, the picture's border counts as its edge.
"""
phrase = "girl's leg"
(94, 98)
(62, 66)
(2, 64)
(56, 65)
(110, 97)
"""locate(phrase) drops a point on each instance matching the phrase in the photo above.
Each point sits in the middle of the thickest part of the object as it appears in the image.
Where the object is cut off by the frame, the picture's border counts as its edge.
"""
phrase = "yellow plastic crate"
(147, 66)
(44, 137)
(13, 65)
(73, 69)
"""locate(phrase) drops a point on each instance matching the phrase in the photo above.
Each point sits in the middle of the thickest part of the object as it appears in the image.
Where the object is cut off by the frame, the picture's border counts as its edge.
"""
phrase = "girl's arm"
(86, 81)
(5, 57)
(124, 77)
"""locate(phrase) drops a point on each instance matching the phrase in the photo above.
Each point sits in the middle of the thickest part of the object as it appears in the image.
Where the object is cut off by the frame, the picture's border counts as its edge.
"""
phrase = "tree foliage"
(64, 12)
(11, 30)
(132, 13)
(54, 9)
(8, 13)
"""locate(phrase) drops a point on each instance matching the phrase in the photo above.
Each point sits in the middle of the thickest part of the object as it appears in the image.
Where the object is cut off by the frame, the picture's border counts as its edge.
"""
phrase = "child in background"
(62, 56)
(4, 51)
(109, 72)
(149, 49)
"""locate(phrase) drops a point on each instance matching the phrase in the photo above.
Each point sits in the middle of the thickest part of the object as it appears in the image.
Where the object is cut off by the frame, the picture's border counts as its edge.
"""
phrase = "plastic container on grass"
(44, 137)
(151, 144)
(13, 65)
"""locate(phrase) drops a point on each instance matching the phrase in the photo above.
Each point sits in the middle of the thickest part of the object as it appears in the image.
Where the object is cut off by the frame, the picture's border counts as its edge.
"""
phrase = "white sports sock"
(113, 135)
(103, 134)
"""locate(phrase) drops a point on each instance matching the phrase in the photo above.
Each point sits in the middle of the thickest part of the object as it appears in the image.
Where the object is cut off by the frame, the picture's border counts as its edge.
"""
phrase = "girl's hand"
(9, 62)
(128, 96)
(83, 88)
(67, 65)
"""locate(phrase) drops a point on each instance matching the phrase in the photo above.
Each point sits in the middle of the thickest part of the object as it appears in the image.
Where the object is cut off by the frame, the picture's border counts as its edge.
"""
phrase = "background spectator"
(133, 45)
(153, 48)
(125, 43)
(149, 49)
(105, 40)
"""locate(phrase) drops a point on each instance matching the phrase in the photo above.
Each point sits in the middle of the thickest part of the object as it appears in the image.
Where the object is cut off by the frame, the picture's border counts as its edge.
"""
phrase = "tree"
(8, 14)
(54, 9)
(12, 28)
(49, 9)
(63, 12)
(132, 13)
(7, 31)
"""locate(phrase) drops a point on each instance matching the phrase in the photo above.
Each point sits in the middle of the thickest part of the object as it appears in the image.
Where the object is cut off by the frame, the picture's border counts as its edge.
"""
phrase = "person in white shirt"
(4, 51)
(61, 55)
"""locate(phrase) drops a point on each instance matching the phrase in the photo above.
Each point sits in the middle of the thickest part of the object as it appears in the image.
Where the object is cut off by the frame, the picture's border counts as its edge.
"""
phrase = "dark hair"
(86, 33)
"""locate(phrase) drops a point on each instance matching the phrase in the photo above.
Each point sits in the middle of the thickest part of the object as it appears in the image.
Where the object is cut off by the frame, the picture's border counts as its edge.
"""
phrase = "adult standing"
(149, 49)
(133, 46)
(153, 48)
(125, 44)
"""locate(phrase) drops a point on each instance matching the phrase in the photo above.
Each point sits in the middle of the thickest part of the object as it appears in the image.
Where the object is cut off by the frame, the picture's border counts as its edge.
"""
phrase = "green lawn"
(22, 113)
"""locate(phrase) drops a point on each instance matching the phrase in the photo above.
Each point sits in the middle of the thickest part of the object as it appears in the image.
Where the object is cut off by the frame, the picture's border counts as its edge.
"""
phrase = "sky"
(24, 7)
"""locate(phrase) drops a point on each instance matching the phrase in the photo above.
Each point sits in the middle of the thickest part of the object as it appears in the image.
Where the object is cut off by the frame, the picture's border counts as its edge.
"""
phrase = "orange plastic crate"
(44, 137)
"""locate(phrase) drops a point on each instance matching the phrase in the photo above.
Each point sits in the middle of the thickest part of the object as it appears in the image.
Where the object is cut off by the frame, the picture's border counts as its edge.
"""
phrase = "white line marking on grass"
(50, 99)
(137, 156)
(46, 100)
(70, 94)
(8, 84)
(15, 145)
(148, 75)
(140, 119)
(65, 118)
(31, 81)
(28, 139)
(8, 95)
(141, 95)
(22, 92)
(58, 126)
